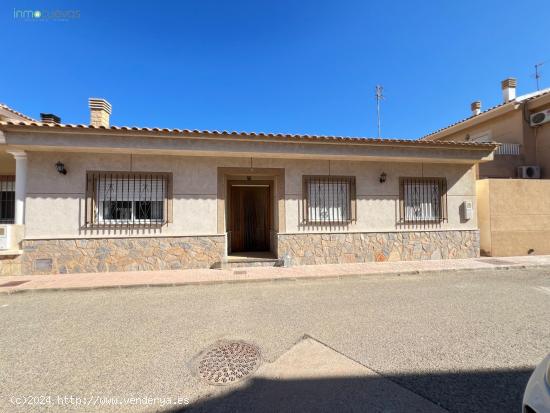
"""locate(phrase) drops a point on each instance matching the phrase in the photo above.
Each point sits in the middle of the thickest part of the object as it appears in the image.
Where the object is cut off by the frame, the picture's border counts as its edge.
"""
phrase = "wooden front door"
(249, 217)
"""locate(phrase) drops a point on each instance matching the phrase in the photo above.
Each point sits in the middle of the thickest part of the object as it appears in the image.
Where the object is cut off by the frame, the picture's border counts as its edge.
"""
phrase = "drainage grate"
(495, 261)
(227, 362)
(239, 272)
(14, 283)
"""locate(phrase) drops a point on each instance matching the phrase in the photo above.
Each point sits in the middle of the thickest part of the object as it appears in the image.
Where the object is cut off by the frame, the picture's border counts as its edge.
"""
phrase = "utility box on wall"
(467, 210)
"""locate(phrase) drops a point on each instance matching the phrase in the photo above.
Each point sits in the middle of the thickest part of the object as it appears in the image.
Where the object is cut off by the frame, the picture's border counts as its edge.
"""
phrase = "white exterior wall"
(55, 202)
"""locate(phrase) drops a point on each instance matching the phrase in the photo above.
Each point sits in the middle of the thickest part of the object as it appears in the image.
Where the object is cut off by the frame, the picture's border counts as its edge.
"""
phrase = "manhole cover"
(14, 283)
(227, 362)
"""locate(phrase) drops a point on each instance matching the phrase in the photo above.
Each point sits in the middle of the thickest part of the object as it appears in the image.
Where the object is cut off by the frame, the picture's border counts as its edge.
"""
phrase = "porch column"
(20, 185)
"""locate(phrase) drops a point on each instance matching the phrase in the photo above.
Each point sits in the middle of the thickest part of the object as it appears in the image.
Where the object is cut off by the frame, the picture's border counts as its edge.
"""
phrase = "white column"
(20, 185)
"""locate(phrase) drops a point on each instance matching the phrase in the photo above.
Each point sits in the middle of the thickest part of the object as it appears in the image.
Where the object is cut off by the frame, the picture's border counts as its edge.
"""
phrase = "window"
(329, 199)
(7, 199)
(127, 198)
(423, 200)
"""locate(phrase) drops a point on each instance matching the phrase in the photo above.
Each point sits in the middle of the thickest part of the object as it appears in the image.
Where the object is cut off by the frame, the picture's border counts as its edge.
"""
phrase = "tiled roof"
(262, 135)
(6, 107)
(524, 98)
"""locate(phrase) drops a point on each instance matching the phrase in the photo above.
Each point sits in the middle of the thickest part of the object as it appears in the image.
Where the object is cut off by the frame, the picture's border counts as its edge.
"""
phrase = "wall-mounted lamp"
(383, 177)
(61, 168)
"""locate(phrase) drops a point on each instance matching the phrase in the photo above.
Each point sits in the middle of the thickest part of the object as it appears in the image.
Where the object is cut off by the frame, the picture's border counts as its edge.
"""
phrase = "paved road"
(466, 342)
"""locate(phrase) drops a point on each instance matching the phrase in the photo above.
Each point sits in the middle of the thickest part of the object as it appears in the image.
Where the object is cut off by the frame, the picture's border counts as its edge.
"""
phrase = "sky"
(307, 67)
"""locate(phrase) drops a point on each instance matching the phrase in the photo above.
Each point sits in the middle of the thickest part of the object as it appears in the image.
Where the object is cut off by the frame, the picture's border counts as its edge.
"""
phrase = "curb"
(279, 279)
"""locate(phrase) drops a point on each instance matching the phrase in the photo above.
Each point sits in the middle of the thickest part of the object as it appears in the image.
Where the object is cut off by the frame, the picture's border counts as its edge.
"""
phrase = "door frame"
(270, 183)
(275, 175)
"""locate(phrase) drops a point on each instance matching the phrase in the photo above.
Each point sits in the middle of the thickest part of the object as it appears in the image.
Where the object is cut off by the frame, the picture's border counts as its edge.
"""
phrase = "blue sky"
(273, 66)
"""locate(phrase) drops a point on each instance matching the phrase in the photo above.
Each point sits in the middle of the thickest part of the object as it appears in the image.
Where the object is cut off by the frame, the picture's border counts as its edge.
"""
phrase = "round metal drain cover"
(228, 362)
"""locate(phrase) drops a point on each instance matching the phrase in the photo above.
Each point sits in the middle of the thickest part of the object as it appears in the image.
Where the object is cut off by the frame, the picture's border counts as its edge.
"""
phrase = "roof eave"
(237, 136)
(534, 104)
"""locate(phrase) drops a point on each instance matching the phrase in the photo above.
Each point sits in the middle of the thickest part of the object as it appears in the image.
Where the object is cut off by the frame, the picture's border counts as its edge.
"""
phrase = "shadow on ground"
(498, 391)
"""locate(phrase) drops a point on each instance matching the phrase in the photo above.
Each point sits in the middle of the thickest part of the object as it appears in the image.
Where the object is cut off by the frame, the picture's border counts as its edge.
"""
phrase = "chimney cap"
(476, 107)
(50, 118)
(510, 82)
(99, 104)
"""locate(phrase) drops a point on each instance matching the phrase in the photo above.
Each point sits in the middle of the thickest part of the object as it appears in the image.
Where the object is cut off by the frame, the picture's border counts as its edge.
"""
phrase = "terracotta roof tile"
(292, 137)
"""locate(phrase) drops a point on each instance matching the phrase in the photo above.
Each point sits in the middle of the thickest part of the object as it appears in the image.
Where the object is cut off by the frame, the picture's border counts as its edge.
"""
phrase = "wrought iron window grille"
(328, 200)
(7, 199)
(127, 198)
(422, 201)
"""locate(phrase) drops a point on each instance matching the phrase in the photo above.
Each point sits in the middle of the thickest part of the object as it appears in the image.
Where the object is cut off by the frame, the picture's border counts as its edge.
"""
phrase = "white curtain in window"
(328, 201)
(422, 201)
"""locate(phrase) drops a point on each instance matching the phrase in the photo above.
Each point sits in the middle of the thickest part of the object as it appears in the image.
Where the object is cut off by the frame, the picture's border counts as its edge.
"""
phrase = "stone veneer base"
(10, 265)
(63, 256)
(324, 248)
(171, 253)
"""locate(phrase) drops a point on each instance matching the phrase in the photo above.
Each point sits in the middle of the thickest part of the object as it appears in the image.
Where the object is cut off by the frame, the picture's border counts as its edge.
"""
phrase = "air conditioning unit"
(540, 118)
(529, 172)
(10, 236)
(4, 245)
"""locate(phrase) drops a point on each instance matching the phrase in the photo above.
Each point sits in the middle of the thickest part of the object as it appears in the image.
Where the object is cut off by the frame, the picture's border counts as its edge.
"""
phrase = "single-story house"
(87, 198)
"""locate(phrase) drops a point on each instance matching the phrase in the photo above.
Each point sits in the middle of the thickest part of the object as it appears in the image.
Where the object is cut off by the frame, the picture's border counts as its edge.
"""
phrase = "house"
(522, 142)
(97, 197)
(513, 202)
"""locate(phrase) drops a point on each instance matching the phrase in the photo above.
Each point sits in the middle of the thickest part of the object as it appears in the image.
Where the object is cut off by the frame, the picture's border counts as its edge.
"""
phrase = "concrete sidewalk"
(9, 284)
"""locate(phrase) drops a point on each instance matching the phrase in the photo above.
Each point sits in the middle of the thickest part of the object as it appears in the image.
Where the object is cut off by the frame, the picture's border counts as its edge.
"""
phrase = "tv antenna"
(379, 96)
(538, 74)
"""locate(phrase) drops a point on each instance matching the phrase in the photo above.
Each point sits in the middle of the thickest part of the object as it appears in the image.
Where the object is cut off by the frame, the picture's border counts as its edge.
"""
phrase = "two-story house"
(513, 190)
(512, 123)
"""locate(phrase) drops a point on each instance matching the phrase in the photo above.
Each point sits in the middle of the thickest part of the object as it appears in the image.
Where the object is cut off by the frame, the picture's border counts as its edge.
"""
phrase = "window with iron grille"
(423, 200)
(127, 198)
(329, 199)
(7, 199)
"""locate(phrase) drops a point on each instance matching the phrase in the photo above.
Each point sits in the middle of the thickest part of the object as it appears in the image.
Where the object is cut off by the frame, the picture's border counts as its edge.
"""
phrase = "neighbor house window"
(329, 199)
(7, 199)
(423, 200)
(127, 198)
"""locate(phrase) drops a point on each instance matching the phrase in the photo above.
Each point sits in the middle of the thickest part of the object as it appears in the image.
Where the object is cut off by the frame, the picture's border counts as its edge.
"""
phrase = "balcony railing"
(510, 149)
(7, 199)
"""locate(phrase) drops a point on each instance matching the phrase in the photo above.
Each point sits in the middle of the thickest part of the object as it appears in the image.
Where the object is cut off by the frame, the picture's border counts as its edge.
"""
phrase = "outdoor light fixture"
(61, 168)
(383, 177)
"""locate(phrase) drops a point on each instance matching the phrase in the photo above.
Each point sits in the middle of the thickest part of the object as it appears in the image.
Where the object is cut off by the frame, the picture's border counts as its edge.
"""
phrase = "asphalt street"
(464, 342)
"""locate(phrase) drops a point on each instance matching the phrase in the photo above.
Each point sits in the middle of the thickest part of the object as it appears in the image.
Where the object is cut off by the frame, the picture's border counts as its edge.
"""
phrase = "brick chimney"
(509, 89)
(50, 118)
(476, 108)
(100, 110)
